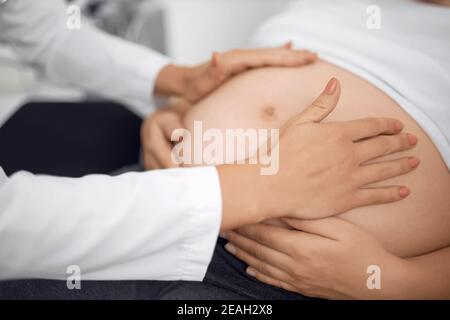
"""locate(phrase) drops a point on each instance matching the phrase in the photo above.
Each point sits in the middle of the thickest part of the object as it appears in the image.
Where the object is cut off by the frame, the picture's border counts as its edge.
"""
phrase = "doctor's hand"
(323, 168)
(193, 83)
(326, 258)
(156, 141)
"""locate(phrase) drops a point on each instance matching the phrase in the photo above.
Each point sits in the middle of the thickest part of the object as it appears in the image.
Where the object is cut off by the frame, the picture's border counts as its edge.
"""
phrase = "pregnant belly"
(266, 98)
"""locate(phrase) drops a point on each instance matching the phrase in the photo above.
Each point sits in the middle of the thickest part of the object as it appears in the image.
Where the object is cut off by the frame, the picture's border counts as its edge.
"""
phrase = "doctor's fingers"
(149, 162)
(384, 144)
(171, 122)
(159, 148)
(371, 127)
(239, 60)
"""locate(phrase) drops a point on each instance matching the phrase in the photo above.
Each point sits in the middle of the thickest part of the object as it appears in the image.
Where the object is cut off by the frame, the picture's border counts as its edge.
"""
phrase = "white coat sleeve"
(39, 32)
(159, 225)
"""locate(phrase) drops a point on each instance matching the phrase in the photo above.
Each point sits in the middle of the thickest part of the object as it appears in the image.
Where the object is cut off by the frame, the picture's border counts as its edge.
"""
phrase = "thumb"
(172, 123)
(323, 105)
(332, 228)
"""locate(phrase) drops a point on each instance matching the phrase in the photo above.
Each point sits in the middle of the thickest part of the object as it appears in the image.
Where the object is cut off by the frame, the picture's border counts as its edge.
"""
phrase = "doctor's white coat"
(156, 225)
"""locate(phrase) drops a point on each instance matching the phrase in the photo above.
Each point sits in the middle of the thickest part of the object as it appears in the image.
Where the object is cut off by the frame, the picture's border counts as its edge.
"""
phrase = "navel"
(268, 112)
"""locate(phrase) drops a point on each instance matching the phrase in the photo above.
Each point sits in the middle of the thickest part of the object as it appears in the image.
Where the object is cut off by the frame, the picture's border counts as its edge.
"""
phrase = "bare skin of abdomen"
(266, 98)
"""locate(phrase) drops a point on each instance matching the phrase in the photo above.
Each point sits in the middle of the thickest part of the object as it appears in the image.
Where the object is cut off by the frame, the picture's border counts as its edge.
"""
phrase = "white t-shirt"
(401, 47)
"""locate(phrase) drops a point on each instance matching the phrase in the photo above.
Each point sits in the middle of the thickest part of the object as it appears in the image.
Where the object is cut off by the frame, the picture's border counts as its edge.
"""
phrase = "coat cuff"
(147, 69)
(203, 222)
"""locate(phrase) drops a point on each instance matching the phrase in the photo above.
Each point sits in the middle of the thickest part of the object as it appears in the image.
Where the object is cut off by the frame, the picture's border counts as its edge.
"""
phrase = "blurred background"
(186, 30)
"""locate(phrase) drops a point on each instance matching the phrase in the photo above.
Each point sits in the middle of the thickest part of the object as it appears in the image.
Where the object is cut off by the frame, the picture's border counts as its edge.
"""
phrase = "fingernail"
(413, 162)
(412, 139)
(223, 235)
(404, 192)
(250, 272)
(230, 248)
(331, 86)
(398, 126)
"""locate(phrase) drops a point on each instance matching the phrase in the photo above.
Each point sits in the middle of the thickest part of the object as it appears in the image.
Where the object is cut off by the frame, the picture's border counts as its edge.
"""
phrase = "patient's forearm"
(429, 276)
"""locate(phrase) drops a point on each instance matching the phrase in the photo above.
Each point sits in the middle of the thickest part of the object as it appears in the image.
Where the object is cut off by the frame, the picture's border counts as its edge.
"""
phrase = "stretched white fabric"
(408, 57)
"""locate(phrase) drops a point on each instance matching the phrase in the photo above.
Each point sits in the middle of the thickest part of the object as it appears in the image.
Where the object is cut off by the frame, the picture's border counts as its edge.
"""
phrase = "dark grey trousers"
(225, 279)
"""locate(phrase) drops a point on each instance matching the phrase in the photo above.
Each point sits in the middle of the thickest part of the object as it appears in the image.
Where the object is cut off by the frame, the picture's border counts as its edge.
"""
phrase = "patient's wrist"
(398, 281)
(402, 280)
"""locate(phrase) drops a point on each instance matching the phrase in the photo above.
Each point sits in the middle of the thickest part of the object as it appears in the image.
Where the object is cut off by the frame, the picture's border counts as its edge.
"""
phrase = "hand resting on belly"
(266, 98)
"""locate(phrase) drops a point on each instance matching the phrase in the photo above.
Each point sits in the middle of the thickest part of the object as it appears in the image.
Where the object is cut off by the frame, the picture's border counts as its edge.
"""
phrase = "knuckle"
(355, 178)
(404, 141)
(374, 125)
(400, 142)
(356, 199)
(387, 144)
(296, 252)
(202, 86)
(389, 124)
(380, 196)
(352, 158)
(385, 195)
(306, 252)
(337, 132)
(391, 194)
(292, 269)
(404, 165)
(263, 267)
(240, 255)
(321, 104)
(300, 273)
(394, 144)
(340, 134)
(372, 198)
(359, 199)
(284, 286)
(384, 170)
(257, 252)
(259, 236)
(398, 167)
(231, 237)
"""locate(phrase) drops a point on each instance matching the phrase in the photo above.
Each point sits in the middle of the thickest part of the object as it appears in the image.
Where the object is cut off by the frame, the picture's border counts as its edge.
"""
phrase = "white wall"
(194, 28)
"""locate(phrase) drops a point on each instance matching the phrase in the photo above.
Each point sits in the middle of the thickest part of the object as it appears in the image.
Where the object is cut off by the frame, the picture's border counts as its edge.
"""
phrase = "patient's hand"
(193, 83)
(328, 258)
